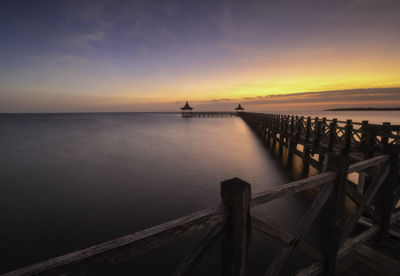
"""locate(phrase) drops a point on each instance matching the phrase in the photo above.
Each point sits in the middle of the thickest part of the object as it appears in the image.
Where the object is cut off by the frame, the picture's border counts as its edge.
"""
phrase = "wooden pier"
(209, 114)
(311, 138)
(343, 148)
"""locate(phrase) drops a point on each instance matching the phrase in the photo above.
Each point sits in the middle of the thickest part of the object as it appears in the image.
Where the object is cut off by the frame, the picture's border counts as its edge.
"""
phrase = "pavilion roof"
(239, 107)
(187, 107)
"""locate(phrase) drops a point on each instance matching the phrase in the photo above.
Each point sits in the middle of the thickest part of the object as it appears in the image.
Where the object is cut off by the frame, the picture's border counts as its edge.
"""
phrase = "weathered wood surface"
(236, 195)
(369, 196)
(365, 164)
(235, 213)
(301, 229)
(293, 187)
(317, 267)
(363, 260)
(318, 136)
(192, 260)
(114, 251)
(332, 214)
(285, 237)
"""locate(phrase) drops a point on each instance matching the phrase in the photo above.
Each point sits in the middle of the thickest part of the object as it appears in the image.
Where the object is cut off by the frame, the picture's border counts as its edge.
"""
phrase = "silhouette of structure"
(239, 108)
(187, 110)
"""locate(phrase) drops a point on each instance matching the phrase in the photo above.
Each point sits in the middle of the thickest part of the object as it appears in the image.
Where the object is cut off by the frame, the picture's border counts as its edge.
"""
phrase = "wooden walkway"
(310, 138)
(366, 261)
(190, 114)
(345, 242)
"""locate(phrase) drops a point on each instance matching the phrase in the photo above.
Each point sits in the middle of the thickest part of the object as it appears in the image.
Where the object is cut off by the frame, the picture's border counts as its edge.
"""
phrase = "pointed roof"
(187, 107)
(239, 107)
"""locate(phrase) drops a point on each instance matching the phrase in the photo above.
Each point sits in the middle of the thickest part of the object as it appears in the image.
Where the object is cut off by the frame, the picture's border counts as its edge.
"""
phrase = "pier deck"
(368, 261)
(191, 114)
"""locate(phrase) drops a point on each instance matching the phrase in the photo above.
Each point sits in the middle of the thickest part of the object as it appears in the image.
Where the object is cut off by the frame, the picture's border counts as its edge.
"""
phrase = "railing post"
(236, 195)
(292, 139)
(282, 133)
(347, 137)
(332, 134)
(306, 148)
(363, 142)
(332, 218)
(386, 194)
(275, 131)
(331, 141)
(385, 133)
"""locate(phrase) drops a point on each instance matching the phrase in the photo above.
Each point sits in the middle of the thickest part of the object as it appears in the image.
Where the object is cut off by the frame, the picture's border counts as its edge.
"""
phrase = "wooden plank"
(301, 229)
(102, 255)
(292, 188)
(286, 238)
(192, 260)
(372, 162)
(363, 260)
(368, 222)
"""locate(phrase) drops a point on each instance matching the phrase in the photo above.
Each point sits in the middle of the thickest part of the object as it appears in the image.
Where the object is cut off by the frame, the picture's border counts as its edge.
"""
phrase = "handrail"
(114, 251)
(117, 250)
(292, 188)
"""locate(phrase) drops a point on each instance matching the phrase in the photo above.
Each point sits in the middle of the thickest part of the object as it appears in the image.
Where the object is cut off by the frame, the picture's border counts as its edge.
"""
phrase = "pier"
(209, 114)
(347, 244)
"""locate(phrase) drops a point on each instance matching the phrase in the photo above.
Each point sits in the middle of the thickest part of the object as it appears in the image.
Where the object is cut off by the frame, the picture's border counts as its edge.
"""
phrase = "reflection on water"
(69, 181)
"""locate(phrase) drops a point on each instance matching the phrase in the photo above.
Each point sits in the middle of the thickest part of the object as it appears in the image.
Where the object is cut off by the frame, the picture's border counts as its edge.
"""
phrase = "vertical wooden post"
(369, 141)
(269, 129)
(364, 140)
(321, 155)
(306, 148)
(385, 133)
(265, 124)
(385, 196)
(348, 133)
(292, 141)
(332, 217)
(275, 131)
(282, 133)
(332, 134)
(236, 195)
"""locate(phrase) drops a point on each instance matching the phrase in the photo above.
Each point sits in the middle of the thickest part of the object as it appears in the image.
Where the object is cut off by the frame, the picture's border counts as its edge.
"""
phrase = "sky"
(74, 56)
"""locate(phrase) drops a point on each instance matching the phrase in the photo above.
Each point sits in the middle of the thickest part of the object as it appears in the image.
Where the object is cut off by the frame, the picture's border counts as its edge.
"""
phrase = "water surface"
(69, 181)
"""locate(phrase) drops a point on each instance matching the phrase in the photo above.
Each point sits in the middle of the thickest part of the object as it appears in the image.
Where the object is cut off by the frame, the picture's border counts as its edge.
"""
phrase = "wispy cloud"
(312, 100)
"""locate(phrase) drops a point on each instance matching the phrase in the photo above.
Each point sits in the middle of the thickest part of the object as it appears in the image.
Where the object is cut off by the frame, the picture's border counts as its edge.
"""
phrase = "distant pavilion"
(187, 110)
(239, 108)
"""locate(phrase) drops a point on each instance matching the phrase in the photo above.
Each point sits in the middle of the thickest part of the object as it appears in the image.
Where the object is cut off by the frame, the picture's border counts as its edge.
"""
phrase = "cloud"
(375, 97)
(345, 96)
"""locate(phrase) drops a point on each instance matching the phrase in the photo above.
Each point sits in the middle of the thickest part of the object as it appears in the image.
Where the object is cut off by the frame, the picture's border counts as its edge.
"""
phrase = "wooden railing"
(232, 222)
(188, 114)
(318, 136)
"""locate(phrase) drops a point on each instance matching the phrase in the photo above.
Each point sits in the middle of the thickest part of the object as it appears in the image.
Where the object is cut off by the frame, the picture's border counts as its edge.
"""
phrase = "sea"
(70, 181)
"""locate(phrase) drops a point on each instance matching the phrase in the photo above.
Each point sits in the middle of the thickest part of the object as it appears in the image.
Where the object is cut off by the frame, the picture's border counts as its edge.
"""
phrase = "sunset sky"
(60, 56)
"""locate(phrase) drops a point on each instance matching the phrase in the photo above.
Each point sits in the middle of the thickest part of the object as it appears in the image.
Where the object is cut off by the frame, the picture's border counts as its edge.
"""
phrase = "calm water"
(68, 181)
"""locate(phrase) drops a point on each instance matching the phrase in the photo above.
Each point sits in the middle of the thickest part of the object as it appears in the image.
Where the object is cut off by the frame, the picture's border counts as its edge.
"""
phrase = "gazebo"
(239, 108)
(187, 110)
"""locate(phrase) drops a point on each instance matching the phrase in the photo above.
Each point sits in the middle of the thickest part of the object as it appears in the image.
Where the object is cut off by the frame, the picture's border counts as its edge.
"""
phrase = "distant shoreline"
(365, 109)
